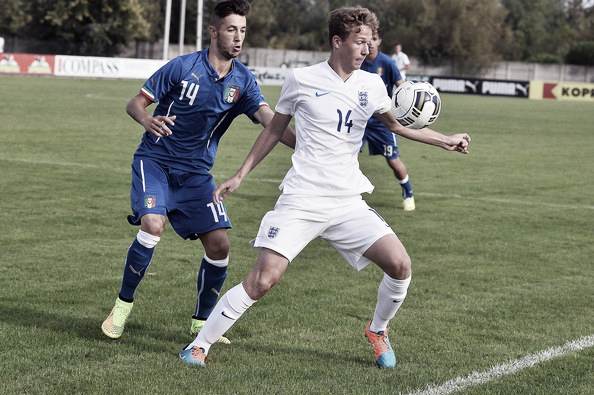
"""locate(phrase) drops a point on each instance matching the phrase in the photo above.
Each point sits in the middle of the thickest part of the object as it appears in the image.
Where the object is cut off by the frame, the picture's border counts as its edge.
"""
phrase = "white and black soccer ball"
(416, 104)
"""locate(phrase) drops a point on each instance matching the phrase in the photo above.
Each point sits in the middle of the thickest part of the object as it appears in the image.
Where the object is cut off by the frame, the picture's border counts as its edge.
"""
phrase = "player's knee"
(218, 250)
(216, 244)
(258, 287)
(153, 224)
(400, 267)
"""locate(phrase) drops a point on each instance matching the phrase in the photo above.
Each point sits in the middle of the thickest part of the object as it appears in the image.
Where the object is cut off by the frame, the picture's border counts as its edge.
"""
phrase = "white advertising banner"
(89, 66)
(270, 75)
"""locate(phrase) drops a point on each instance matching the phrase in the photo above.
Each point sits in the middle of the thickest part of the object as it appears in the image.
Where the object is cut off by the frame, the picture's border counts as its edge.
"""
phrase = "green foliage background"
(472, 33)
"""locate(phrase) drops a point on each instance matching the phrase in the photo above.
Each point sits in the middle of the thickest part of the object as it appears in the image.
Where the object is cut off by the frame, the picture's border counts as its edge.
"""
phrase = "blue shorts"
(381, 141)
(185, 198)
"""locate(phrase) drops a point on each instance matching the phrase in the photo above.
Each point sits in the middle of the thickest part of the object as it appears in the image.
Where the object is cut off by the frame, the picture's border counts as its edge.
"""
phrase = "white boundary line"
(511, 367)
(513, 201)
(221, 176)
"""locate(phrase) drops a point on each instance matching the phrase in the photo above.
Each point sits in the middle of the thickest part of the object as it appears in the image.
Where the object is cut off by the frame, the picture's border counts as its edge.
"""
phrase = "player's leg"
(400, 172)
(211, 276)
(268, 269)
(390, 255)
(362, 236)
(385, 143)
(194, 216)
(278, 246)
(148, 199)
(140, 254)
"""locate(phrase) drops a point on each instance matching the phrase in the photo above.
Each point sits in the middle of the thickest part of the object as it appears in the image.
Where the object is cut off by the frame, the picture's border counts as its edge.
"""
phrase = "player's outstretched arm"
(264, 115)
(159, 125)
(266, 141)
(456, 142)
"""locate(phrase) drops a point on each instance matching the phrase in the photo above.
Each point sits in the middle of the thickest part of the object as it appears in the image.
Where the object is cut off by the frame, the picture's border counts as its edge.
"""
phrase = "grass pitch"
(501, 243)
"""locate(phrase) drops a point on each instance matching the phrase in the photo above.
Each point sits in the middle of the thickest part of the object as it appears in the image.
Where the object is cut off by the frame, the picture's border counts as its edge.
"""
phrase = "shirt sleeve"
(254, 100)
(287, 103)
(163, 80)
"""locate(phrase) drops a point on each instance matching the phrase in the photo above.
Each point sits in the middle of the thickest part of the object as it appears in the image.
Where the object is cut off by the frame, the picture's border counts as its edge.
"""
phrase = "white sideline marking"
(511, 367)
(500, 200)
(449, 196)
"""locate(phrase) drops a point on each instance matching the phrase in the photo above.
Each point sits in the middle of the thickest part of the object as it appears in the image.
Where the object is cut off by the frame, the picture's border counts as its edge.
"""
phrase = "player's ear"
(213, 32)
(336, 42)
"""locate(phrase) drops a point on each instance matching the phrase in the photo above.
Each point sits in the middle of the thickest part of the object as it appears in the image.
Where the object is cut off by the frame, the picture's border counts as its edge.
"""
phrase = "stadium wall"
(536, 81)
(257, 57)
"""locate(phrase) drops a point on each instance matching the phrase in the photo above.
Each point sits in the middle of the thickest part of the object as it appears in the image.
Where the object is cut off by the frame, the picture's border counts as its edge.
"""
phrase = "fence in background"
(275, 58)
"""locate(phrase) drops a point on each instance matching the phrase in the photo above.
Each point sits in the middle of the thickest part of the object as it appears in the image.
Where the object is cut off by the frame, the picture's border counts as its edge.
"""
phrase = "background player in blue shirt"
(380, 140)
(198, 96)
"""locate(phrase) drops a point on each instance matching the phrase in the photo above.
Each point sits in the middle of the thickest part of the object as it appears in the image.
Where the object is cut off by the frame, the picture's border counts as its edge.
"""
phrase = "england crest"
(363, 98)
(273, 232)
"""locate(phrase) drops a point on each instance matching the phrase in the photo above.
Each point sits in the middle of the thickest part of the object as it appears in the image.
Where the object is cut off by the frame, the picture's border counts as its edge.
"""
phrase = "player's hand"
(159, 125)
(225, 189)
(458, 142)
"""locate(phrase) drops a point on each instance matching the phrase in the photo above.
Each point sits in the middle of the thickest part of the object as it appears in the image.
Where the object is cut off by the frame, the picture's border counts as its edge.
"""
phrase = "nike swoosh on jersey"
(321, 94)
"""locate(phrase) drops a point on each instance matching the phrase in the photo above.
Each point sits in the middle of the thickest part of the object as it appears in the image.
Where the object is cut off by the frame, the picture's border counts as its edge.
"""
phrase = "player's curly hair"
(228, 7)
(343, 21)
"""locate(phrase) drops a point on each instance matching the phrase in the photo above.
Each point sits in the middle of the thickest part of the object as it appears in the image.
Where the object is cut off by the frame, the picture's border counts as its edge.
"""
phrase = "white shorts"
(348, 224)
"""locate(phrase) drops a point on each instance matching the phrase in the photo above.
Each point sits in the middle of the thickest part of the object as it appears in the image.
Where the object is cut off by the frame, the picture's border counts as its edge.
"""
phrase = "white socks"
(217, 263)
(235, 302)
(231, 306)
(390, 295)
(147, 240)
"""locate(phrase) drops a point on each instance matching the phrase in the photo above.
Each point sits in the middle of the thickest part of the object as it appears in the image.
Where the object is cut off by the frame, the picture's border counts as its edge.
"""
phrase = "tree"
(469, 33)
(299, 24)
(464, 31)
(14, 16)
(82, 27)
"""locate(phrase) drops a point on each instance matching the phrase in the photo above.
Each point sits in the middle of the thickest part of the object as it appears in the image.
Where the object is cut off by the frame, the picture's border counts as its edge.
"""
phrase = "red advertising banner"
(16, 63)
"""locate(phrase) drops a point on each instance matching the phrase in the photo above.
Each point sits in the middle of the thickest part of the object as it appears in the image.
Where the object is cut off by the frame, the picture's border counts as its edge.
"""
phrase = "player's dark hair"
(344, 21)
(229, 7)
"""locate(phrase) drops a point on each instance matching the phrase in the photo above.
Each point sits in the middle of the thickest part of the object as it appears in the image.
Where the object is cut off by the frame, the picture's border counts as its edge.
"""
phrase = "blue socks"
(210, 281)
(137, 262)
(406, 187)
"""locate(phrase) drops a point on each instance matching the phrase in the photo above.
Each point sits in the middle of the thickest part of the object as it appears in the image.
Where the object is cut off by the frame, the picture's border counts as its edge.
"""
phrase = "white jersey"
(330, 117)
(401, 60)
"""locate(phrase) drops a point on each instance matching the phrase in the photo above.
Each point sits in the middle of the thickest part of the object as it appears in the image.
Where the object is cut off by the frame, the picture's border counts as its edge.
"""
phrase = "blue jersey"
(205, 105)
(386, 68)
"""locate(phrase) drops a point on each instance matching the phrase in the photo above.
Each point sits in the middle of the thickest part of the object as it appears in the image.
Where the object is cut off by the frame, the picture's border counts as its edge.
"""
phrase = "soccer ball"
(416, 104)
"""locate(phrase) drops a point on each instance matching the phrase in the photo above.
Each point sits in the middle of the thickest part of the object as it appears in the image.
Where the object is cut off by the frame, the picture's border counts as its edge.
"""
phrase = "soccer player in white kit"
(321, 193)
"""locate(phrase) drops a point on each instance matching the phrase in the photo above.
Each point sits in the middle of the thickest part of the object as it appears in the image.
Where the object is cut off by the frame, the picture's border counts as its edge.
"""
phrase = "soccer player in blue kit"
(198, 96)
(380, 140)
